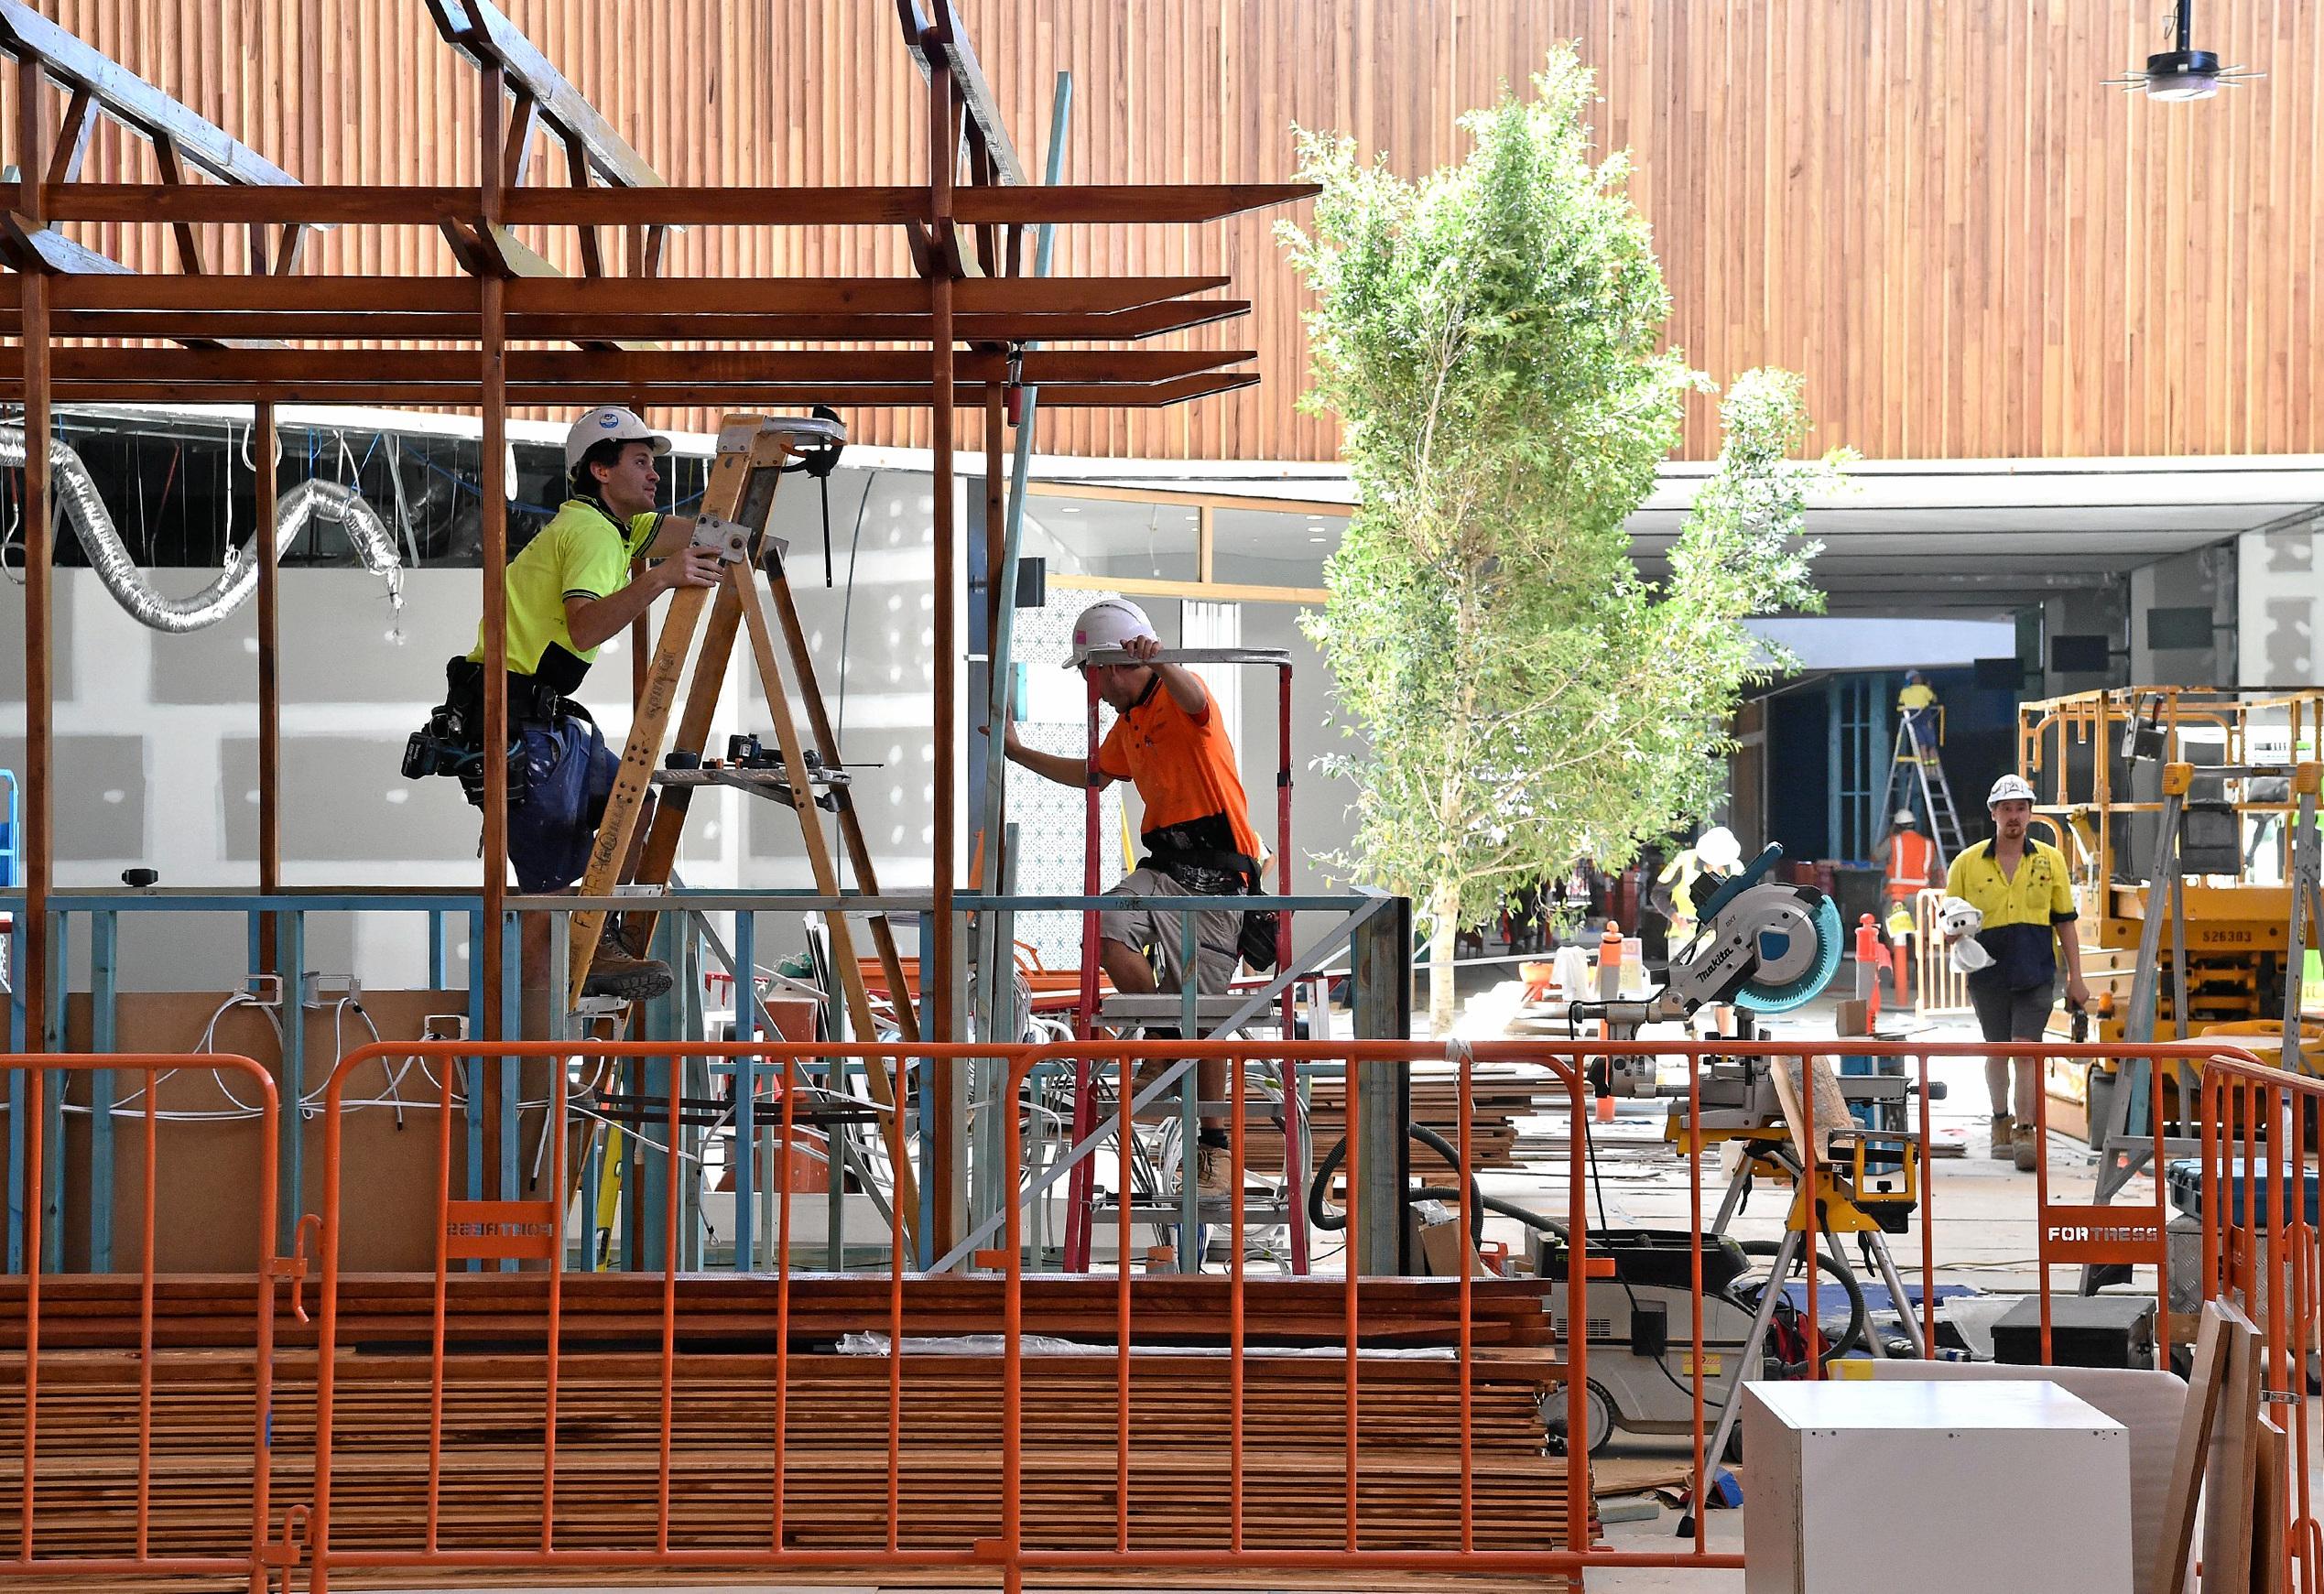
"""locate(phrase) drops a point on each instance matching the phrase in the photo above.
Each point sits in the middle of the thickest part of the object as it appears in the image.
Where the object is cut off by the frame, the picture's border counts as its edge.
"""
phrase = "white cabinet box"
(1932, 1489)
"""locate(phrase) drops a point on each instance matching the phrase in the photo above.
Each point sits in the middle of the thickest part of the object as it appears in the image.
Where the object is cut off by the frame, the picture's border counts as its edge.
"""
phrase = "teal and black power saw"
(1761, 945)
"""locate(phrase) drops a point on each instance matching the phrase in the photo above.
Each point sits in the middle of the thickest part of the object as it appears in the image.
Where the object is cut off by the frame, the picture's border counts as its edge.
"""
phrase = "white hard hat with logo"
(2009, 788)
(1105, 625)
(609, 423)
(1718, 849)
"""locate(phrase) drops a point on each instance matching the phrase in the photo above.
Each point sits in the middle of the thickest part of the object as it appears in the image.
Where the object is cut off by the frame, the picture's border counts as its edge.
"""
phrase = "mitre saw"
(1761, 945)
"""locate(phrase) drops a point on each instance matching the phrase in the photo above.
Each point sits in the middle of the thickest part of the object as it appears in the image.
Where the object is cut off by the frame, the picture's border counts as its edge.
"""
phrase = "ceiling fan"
(2182, 73)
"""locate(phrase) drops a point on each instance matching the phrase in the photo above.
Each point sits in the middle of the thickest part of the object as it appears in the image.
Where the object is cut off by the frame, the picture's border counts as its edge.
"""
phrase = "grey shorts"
(2006, 1014)
(1215, 934)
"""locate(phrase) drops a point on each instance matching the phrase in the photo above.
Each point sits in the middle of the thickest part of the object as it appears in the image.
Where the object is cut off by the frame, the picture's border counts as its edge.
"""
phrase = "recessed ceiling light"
(1315, 539)
(1072, 509)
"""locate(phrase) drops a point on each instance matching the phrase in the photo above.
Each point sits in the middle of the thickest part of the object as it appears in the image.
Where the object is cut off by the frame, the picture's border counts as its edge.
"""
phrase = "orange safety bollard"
(1870, 959)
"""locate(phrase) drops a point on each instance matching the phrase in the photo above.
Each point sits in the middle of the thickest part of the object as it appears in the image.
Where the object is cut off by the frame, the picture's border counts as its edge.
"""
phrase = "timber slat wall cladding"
(1937, 212)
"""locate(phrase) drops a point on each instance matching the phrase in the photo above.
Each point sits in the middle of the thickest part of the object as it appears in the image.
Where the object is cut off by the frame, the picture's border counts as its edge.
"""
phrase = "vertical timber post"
(493, 495)
(264, 488)
(1381, 959)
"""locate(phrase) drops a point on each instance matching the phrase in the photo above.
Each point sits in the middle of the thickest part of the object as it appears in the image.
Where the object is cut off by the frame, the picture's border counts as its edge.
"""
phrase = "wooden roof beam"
(855, 296)
(480, 32)
(134, 103)
(834, 369)
(969, 83)
(1066, 204)
(453, 395)
(458, 326)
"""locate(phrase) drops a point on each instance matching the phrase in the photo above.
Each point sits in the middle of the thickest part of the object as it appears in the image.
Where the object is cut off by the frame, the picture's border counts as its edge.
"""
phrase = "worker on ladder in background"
(568, 591)
(2022, 890)
(1917, 703)
(1167, 741)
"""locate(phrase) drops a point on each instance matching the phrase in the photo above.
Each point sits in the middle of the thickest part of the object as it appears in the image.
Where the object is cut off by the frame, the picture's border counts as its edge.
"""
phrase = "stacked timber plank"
(1498, 1098)
(836, 1413)
(730, 1311)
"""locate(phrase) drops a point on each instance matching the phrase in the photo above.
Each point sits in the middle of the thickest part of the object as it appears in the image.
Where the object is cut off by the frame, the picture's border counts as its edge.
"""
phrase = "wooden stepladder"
(736, 508)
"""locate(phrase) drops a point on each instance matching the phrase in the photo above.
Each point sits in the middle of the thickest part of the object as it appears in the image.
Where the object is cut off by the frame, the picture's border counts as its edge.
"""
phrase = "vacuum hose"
(1479, 1203)
(92, 524)
(1839, 1345)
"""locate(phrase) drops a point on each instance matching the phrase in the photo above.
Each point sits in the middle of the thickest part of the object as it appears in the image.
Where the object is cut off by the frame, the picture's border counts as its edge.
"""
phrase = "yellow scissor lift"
(2098, 763)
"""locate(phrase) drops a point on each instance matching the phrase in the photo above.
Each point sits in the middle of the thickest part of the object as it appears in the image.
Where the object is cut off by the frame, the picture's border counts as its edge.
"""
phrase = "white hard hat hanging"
(2009, 788)
(1105, 625)
(609, 423)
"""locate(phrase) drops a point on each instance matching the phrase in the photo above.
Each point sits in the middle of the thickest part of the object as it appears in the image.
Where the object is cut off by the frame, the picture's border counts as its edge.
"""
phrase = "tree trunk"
(1444, 911)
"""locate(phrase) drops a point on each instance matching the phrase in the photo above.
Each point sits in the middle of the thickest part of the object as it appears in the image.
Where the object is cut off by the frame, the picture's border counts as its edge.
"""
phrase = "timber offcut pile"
(835, 1418)
(1498, 1097)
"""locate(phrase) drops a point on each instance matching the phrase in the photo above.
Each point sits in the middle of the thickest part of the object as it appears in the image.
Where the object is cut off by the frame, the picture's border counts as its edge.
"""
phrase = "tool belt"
(1201, 855)
(452, 741)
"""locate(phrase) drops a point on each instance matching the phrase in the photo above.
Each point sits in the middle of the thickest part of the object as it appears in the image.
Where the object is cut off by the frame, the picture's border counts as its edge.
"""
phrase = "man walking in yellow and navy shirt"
(2022, 889)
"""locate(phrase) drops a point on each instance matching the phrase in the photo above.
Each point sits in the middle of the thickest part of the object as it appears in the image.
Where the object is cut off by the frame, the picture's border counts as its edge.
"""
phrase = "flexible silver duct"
(92, 524)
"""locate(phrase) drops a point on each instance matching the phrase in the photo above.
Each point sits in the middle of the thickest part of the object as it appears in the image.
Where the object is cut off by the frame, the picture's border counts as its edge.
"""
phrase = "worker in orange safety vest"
(1907, 859)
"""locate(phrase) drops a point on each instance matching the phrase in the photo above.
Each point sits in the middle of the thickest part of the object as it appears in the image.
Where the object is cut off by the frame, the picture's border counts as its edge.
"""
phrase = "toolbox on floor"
(2185, 1178)
(2084, 1331)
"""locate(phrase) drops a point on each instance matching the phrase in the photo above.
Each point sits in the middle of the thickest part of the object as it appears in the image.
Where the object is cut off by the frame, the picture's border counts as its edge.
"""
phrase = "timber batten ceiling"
(1936, 211)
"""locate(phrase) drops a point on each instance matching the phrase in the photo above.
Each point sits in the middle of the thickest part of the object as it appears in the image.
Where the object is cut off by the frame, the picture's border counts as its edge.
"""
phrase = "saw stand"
(736, 508)
(1754, 1100)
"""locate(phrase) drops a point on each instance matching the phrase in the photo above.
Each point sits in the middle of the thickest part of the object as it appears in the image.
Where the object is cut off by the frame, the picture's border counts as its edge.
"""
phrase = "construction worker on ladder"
(568, 591)
(1917, 703)
(1168, 742)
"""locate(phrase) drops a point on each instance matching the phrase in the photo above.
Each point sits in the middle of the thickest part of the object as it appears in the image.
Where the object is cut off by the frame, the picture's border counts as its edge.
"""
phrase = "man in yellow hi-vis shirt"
(1917, 704)
(2022, 889)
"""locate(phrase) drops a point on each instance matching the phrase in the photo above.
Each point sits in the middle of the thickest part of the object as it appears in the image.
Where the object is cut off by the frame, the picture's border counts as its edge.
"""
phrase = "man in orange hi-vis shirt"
(1909, 860)
(1168, 742)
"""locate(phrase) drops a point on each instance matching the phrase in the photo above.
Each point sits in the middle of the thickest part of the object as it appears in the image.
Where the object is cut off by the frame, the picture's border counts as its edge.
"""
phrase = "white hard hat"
(2009, 788)
(1718, 849)
(1906, 817)
(609, 423)
(1107, 623)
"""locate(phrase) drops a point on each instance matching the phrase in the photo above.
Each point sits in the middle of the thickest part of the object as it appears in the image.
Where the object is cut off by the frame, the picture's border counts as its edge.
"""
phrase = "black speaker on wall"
(2079, 653)
(2168, 629)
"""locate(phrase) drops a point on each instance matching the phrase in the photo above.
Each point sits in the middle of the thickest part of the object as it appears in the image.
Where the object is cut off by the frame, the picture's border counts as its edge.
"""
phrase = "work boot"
(2001, 1148)
(614, 972)
(1214, 1173)
(2023, 1147)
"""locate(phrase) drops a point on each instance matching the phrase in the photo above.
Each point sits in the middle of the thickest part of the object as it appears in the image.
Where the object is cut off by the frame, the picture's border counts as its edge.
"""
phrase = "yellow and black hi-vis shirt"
(580, 553)
(2022, 912)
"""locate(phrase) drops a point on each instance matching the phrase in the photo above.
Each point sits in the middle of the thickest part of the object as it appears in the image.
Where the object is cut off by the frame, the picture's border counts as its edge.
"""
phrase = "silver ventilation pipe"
(92, 524)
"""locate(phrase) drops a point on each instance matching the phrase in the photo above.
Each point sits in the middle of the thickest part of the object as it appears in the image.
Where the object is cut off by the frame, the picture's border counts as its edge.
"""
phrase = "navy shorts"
(568, 773)
(2004, 1014)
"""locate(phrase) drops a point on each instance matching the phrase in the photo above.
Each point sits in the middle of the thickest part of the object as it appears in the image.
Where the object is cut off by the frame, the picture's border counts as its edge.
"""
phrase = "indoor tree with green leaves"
(1489, 339)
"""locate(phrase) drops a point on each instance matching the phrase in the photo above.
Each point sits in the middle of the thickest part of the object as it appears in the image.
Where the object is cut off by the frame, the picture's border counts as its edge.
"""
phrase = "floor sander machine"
(1763, 946)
